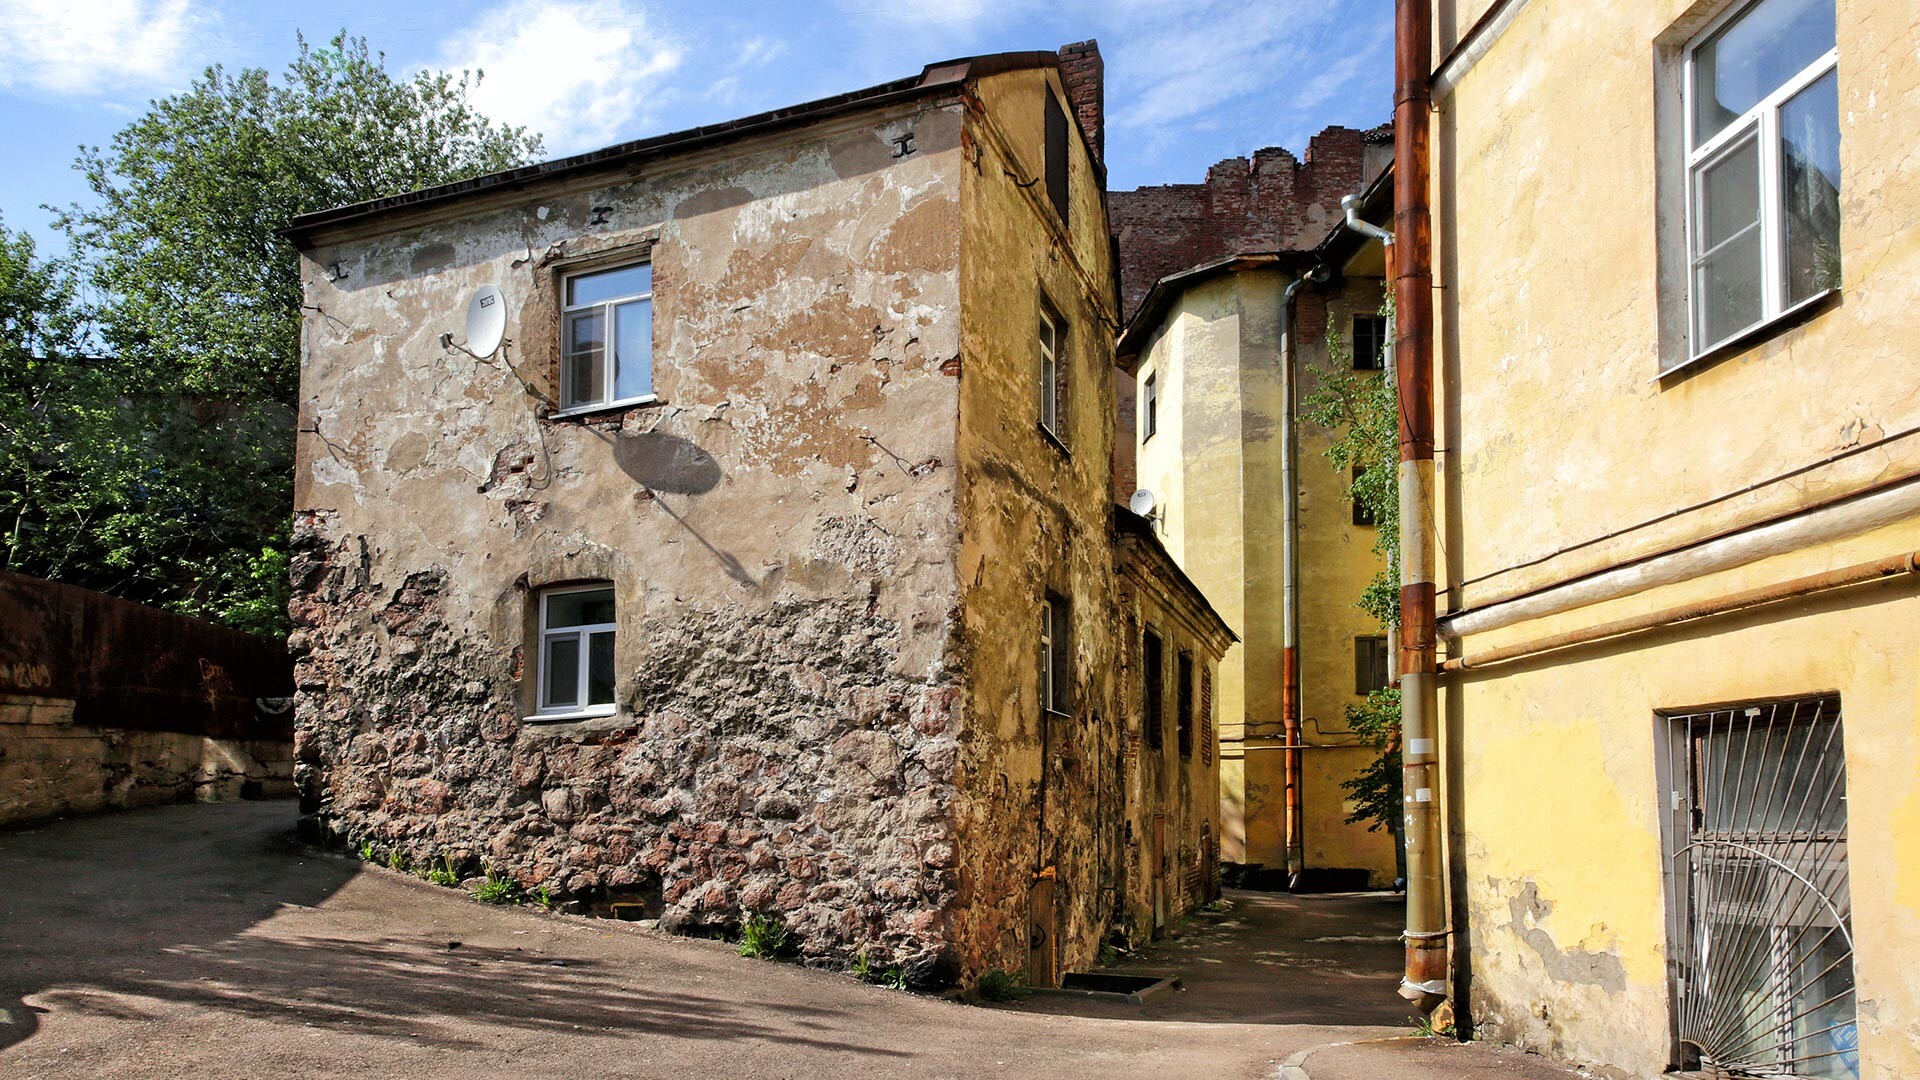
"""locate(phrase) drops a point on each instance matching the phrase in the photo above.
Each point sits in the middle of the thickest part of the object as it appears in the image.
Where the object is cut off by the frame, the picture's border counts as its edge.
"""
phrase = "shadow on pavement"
(113, 916)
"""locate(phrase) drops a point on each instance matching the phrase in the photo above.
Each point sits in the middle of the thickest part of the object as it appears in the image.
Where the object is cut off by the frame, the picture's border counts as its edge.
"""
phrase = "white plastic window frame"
(609, 357)
(1149, 406)
(1760, 123)
(1052, 334)
(578, 710)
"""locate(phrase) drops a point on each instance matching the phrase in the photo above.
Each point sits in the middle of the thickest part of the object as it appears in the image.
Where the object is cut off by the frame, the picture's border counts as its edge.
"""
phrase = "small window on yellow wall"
(1763, 166)
(1052, 376)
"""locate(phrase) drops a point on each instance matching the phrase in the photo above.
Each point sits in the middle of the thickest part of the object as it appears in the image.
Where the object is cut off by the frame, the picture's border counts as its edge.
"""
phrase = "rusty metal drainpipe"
(1425, 980)
(1290, 585)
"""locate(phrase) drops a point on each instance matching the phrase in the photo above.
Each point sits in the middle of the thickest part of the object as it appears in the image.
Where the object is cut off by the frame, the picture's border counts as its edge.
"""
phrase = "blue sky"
(1188, 81)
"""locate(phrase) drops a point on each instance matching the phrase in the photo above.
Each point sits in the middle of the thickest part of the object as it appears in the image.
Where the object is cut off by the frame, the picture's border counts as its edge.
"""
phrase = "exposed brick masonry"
(1084, 75)
(1272, 202)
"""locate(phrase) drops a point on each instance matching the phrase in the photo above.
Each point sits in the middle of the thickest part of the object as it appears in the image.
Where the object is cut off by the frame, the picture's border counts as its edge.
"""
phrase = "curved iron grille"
(1763, 943)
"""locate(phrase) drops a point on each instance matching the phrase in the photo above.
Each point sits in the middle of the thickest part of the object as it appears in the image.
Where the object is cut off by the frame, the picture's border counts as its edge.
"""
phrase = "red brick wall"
(1084, 75)
(1273, 202)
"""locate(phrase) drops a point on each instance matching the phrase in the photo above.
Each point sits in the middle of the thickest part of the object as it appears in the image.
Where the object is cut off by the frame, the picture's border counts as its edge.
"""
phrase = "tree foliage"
(177, 452)
(1361, 409)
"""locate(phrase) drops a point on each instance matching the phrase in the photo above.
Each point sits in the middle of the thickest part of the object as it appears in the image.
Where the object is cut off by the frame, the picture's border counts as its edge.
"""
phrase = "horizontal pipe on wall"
(1838, 521)
(1857, 574)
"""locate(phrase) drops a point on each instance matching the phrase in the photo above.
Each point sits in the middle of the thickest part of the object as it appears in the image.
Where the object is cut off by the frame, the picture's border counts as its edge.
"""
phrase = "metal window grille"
(1183, 733)
(1760, 918)
(1206, 716)
(1152, 694)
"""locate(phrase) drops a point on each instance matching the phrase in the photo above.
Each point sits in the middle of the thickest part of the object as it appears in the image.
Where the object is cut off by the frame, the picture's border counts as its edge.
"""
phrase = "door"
(1043, 948)
(1160, 898)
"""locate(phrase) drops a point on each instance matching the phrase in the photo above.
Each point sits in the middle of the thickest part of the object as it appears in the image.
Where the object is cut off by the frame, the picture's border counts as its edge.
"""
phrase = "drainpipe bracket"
(1425, 935)
(1436, 987)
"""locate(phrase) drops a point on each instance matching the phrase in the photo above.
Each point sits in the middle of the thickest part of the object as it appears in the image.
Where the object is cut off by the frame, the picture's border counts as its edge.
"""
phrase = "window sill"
(1058, 443)
(564, 717)
(605, 407)
(1759, 332)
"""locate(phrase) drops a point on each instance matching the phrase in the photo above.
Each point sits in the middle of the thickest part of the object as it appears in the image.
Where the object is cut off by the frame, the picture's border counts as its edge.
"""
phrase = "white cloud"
(582, 74)
(92, 47)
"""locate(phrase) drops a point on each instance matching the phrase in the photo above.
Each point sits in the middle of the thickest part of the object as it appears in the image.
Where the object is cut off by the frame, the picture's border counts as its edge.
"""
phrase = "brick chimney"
(1084, 75)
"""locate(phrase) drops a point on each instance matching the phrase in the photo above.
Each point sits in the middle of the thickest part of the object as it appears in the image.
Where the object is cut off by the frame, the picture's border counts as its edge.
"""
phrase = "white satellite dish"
(1143, 503)
(486, 321)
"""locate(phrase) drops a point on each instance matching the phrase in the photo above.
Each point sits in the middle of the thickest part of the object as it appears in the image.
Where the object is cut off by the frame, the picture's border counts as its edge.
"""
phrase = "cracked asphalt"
(203, 941)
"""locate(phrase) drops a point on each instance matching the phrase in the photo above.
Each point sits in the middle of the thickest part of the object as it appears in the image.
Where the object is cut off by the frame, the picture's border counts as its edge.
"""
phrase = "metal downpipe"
(1290, 585)
(1425, 978)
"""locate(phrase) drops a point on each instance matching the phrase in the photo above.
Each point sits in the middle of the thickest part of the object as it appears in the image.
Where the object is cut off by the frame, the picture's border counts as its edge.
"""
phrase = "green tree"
(63, 458)
(1361, 409)
(201, 299)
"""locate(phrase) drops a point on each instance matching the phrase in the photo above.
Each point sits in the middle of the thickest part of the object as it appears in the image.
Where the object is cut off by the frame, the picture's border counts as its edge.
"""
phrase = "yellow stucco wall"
(1214, 467)
(1562, 454)
(1034, 518)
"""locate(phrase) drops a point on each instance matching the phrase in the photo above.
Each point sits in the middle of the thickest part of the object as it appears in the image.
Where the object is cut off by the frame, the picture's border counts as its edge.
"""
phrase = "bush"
(997, 985)
(762, 938)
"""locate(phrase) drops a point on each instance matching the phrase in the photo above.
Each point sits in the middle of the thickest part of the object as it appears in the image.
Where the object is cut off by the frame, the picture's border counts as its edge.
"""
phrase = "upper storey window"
(1056, 154)
(1763, 166)
(606, 338)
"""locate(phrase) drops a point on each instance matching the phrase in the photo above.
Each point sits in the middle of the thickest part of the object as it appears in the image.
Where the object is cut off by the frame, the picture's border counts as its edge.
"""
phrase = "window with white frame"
(576, 651)
(606, 337)
(1150, 407)
(1053, 368)
(1763, 166)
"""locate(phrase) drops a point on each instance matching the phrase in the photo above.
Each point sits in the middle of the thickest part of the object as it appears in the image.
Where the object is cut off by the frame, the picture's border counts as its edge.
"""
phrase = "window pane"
(586, 348)
(1728, 196)
(1810, 186)
(562, 671)
(1727, 290)
(609, 285)
(600, 669)
(633, 350)
(579, 608)
(1752, 56)
(1048, 390)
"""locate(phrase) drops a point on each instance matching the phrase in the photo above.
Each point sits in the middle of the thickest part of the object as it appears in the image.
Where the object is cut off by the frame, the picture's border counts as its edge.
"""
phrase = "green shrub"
(997, 985)
(443, 873)
(762, 937)
(499, 889)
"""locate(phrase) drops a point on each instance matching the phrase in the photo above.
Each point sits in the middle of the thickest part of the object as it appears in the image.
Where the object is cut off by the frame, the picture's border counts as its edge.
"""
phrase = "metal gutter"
(1425, 979)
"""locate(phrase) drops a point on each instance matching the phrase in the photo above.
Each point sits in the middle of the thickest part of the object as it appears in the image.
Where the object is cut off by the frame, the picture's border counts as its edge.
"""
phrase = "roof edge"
(1161, 295)
(945, 75)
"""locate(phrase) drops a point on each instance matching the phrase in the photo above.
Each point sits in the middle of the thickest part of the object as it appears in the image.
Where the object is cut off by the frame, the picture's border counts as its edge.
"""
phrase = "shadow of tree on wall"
(134, 915)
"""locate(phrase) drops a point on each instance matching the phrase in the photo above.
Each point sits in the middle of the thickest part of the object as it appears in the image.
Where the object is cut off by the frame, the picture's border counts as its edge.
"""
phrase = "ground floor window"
(1758, 902)
(576, 650)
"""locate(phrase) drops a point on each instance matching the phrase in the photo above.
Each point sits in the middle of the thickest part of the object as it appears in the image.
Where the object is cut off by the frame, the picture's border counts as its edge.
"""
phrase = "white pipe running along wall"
(1827, 524)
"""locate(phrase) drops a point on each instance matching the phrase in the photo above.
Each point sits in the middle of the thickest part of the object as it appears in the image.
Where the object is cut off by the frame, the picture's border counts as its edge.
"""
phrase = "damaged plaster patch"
(1578, 965)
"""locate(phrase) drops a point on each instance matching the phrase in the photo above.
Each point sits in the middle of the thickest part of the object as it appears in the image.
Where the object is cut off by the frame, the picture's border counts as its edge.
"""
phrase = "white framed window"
(1150, 406)
(606, 338)
(1763, 167)
(575, 664)
(1053, 347)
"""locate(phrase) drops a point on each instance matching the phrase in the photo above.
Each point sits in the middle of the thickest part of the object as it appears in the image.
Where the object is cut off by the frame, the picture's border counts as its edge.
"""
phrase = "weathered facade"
(833, 569)
(1207, 335)
(1172, 641)
(1677, 402)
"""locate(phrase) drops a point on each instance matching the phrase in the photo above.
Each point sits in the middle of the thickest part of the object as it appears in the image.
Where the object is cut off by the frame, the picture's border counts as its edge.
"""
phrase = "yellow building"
(1679, 493)
(1208, 396)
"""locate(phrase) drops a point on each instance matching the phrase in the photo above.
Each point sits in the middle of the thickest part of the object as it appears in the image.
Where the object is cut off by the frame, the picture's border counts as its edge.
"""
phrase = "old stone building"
(769, 566)
(1235, 316)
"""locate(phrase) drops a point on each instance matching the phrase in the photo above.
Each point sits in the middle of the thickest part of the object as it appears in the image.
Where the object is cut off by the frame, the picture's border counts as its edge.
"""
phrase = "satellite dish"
(486, 321)
(1142, 503)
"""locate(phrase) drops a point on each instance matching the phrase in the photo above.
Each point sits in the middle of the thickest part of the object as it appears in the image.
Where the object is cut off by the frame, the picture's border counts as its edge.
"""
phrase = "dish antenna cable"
(486, 324)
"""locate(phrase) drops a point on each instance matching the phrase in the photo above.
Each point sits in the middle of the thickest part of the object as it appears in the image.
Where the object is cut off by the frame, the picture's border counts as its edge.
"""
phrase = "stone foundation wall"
(765, 760)
(51, 767)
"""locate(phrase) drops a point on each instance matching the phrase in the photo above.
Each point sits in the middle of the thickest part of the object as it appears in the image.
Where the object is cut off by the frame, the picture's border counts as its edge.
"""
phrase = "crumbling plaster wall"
(1035, 517)
(779, 530)
(1162, 781)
